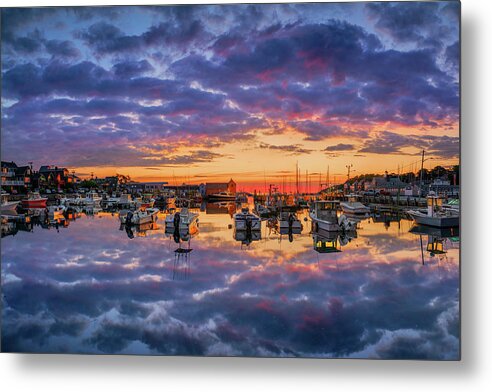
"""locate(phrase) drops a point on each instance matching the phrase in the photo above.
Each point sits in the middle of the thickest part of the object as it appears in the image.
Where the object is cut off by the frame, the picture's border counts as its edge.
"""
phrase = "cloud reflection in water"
(91, 289)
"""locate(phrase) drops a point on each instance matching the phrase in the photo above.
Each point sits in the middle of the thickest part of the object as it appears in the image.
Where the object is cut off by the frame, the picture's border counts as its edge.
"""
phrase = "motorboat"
(245, 220)
(126, 201)
(92, 199)
(226, 196)
(139, 217)
(435, 215)
(289, 220)
(34, 200)
(182, 220)
(353, 206)
(8, 206)
(324, 215)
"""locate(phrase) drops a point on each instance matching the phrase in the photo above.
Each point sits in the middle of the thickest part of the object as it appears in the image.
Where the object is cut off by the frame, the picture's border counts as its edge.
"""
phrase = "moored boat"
(140, 217)
(8, 206)
(181, 220)
(225, 196)
(324, 215)
(435, 215)
(34, 200)
(353, 206)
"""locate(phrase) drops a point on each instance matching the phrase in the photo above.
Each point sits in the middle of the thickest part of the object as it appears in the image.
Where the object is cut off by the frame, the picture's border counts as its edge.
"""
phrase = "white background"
(474, 372)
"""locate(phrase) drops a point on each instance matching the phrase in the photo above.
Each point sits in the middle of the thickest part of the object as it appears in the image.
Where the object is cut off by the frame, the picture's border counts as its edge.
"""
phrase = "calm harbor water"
(94, 287)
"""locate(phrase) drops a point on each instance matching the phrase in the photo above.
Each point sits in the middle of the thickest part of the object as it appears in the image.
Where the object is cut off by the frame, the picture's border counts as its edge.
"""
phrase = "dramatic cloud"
(392, 143)
(293, 149)
(340, 147)
(227, 73)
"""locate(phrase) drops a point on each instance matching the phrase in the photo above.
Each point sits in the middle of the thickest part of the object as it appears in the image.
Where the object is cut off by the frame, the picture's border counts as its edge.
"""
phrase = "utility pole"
(348, 171)
(421, 173)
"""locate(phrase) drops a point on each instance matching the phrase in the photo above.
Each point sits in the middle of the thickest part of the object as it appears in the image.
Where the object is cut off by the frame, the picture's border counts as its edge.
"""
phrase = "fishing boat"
(289, 220)
(125, 201)
(245, 220)
(139, 217)
(182, 220)
(92, 199)
(353, 206)
(435, 215)
(8, 206)
(145, 202)
(225, 196)
(324, 215)
(34, 200)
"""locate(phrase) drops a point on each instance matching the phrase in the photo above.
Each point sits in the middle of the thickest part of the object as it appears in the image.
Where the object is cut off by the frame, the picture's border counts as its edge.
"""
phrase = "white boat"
(182, 220)
(436, 215)
(352, 206)
(324, 215)
(8, 206)
(92, 199)
(125, 201)
(139, 217)
(289, 220)
(245, 220)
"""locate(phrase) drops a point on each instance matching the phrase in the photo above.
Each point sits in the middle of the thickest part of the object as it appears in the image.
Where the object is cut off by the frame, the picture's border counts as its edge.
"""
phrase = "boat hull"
(38, 203)
(357, 209)
(448, 221)
(9, 206)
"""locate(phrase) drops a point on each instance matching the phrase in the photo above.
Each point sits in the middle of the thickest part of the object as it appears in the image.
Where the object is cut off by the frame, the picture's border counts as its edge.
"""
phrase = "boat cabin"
(325, 208)
(434, 204)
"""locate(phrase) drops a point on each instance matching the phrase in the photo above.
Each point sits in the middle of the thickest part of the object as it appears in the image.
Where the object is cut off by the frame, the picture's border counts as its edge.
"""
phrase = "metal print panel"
(270, 180)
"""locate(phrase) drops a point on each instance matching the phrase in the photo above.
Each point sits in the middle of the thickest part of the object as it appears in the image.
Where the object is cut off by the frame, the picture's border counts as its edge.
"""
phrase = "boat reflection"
(246, 237)
(438, 240)
(182, 254)
(331, 242)
(221, 207)
(142, 230)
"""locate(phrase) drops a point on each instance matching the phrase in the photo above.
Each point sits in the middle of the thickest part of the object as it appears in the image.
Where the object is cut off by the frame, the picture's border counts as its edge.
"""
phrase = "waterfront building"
(15, 179)
(212, 188)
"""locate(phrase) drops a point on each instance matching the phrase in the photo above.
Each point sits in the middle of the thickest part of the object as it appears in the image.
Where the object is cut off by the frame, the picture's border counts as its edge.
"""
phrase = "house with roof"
(15, 179)
(212, 188)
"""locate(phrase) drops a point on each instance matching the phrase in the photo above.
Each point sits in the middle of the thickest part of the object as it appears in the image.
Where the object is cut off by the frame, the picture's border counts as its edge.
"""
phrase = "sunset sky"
(204, 93)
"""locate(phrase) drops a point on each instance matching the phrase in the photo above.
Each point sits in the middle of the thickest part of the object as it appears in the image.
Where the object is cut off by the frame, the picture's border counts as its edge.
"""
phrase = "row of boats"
(328, 215)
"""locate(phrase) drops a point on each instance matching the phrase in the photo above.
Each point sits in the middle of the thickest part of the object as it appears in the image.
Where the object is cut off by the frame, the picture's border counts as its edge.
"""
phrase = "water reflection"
(91, 289)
